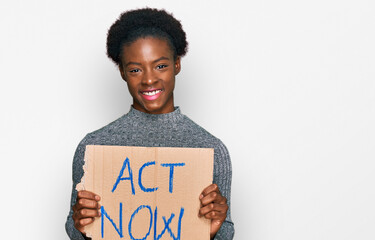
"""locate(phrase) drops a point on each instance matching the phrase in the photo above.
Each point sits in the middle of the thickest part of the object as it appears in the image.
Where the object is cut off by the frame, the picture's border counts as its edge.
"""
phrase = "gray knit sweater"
(157, 130)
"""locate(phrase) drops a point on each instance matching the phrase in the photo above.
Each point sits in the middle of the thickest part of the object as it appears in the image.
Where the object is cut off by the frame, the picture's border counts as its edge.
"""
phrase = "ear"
(177, 65)
(121, 69)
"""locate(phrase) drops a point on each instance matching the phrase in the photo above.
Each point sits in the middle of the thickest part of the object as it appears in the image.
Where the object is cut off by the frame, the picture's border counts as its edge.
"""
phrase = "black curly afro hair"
(145, 22)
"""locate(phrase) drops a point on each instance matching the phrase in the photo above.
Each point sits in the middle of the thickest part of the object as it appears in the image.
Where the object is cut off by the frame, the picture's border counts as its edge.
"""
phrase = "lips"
(151, 94)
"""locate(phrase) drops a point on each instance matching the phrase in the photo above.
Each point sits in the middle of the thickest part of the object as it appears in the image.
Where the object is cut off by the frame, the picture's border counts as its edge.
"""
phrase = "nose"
(149, 77)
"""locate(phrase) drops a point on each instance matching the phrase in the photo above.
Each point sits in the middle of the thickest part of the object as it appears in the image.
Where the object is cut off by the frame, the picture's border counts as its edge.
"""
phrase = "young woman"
(147, 45)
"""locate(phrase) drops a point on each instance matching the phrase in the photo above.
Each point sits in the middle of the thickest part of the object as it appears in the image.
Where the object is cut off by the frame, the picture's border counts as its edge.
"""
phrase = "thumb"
(215, 226)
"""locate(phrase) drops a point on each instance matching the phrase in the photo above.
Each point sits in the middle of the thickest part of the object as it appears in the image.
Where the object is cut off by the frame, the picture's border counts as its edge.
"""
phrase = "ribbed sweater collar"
(160, 118)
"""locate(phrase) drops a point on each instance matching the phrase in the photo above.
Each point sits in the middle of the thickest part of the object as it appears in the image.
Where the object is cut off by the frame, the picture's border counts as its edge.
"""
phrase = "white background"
(289, 86)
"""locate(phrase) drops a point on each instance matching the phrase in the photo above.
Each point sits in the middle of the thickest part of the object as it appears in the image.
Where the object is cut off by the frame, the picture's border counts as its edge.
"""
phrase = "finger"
(223, 208)
(87, 203)
(86, 213)
(213, 197)
(88, 195)
(215, 226)
(211, 188)
(216, 216)
(80, 224)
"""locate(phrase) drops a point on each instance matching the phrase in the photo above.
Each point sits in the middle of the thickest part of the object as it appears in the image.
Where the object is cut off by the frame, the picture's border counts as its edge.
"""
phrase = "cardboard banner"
(148, 193)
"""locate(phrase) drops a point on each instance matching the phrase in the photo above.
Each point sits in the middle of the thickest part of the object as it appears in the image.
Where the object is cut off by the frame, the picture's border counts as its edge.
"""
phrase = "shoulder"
(200, 135)
(107, 133)
(201, 138)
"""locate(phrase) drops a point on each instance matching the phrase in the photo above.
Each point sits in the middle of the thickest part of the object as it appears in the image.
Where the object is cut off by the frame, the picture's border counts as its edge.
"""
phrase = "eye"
(161, 66)
(134, 70)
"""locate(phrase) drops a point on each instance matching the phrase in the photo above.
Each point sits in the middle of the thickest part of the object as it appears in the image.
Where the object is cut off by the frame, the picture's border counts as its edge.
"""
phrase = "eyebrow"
(157, 60)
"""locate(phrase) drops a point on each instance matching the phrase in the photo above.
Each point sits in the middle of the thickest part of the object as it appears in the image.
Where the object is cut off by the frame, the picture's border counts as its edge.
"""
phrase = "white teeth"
(151, 93)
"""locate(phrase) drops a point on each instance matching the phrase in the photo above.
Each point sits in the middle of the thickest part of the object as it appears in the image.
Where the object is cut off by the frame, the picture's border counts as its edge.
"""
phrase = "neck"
(144, 118)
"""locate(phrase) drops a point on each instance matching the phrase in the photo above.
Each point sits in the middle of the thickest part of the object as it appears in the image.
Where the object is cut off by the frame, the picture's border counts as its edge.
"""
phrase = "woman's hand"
(213, 206)
(86, 209)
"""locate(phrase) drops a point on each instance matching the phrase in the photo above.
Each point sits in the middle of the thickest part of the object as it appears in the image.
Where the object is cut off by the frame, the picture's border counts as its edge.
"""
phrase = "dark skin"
(85, 210)
(149, 69)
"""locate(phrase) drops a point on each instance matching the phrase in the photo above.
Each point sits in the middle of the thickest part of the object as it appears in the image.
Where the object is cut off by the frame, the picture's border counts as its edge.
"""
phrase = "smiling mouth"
(151, 93)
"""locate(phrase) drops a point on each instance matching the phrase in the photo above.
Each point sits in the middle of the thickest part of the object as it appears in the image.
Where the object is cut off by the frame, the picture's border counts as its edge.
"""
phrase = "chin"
(151, 109)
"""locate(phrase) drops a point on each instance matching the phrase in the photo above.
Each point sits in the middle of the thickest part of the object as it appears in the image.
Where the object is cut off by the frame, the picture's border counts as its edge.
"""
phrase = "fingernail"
(201, 196)
(97, 198)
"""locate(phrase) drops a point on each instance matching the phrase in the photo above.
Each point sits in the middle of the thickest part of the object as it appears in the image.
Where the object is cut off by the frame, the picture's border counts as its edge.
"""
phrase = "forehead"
(146, 49)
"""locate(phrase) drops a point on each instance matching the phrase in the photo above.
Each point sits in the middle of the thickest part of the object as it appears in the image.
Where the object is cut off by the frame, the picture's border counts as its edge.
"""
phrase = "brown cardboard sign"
(148, 193)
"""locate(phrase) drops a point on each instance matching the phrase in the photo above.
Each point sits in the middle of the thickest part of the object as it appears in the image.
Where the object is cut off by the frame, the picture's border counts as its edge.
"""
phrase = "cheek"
(172, 83)
(170, 80)
(132, 87)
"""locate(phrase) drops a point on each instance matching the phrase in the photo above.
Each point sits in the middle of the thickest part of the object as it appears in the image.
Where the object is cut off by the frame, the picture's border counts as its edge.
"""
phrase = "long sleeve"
(78, 161)
(223, 178)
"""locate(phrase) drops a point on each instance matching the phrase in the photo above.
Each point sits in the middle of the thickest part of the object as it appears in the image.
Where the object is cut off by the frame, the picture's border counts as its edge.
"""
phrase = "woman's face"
(149, 70)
